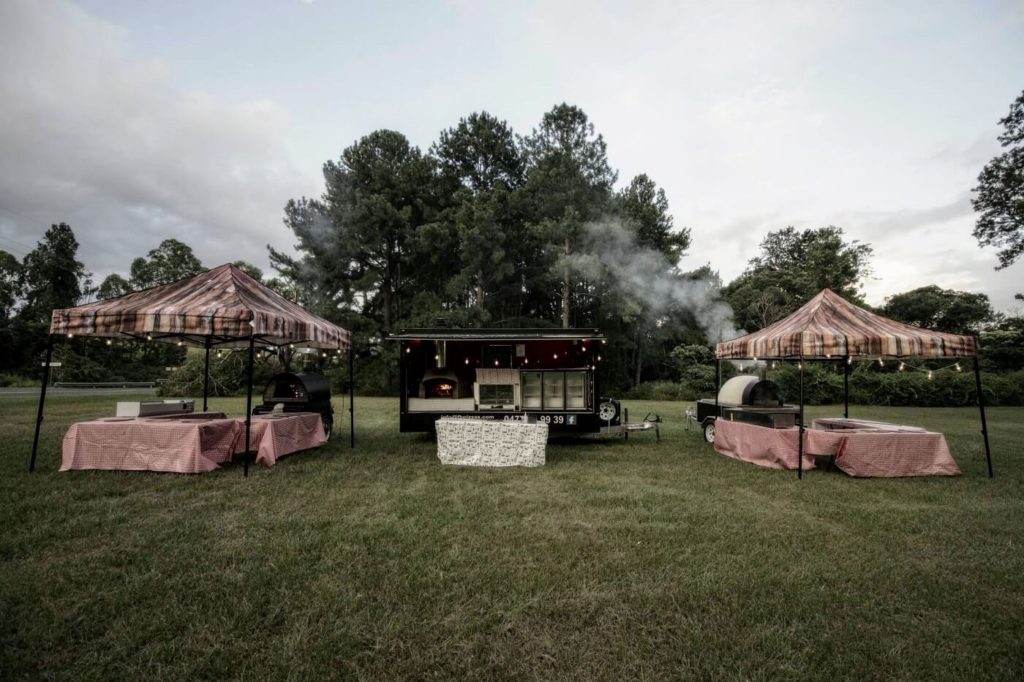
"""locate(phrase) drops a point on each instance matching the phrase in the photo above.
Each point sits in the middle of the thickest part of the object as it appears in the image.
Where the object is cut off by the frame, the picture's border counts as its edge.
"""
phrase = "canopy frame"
(231, 279)
(830, 328)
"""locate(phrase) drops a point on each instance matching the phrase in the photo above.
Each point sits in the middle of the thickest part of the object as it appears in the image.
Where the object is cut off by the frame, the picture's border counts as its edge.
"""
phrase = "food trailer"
(542, 375)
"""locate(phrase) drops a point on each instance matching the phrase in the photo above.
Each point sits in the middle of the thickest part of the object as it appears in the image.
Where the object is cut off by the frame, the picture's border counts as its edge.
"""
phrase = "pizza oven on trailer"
(747, 398)
(548, 375)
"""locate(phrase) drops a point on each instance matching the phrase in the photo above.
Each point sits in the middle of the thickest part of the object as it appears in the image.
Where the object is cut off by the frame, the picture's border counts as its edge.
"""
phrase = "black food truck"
(542, 375)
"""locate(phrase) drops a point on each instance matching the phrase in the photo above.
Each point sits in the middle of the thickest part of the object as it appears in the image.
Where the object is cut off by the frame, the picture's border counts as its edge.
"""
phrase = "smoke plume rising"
(641, 274)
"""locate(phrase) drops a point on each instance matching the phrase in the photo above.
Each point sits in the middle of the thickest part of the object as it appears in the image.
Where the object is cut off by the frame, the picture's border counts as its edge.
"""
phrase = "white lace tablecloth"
(475, 442)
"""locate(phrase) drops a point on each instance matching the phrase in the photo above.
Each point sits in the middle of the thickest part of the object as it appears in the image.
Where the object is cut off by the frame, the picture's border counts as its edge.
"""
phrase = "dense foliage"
(488, 228)
(999, 196)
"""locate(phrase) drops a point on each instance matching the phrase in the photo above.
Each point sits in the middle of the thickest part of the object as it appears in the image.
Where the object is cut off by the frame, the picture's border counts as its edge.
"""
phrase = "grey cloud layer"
(95, 137)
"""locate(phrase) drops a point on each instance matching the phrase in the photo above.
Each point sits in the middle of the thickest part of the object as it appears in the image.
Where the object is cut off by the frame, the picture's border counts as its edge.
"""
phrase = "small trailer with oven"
(543, 375)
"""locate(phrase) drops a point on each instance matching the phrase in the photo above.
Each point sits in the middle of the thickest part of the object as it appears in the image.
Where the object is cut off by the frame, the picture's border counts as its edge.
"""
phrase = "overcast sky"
(137, 121)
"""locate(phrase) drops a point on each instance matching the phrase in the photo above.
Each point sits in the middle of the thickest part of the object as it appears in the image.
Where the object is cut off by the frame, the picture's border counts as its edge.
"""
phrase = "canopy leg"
(800, 445)
(846, 388)
(248, 405)
(351, 396)
(981, 406)
(42, 401)
(206, 375)
(718, 379)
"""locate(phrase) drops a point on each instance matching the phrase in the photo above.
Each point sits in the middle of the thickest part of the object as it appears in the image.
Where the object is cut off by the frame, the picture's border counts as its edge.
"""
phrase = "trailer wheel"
(709, 431)
(328, 420)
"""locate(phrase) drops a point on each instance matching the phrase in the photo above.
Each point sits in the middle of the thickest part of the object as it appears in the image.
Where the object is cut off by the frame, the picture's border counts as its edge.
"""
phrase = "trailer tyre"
(709, 431)
(328, 420)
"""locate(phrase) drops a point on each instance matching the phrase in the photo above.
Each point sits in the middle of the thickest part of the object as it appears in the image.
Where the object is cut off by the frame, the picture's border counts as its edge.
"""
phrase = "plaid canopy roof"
(829, 326)
(224, 305)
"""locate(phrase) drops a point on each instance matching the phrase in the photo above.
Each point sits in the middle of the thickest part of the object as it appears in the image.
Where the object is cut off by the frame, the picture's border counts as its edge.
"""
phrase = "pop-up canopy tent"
(222, 307)
(830, 328)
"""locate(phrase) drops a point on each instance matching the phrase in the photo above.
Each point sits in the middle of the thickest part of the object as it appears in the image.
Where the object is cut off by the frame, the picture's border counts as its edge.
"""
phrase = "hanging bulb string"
(902, 366)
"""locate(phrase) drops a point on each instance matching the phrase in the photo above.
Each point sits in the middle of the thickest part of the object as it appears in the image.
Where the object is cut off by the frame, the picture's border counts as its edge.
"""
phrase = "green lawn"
(616, 560)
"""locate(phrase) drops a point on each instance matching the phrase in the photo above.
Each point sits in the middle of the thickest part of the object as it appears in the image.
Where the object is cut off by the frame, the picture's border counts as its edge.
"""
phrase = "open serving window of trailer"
(545, 375)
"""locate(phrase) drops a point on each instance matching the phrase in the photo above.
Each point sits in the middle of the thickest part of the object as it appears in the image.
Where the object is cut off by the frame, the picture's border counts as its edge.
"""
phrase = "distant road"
(22, 392)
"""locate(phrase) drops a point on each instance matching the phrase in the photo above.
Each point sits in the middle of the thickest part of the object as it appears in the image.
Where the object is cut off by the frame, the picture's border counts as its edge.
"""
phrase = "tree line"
(491, 228)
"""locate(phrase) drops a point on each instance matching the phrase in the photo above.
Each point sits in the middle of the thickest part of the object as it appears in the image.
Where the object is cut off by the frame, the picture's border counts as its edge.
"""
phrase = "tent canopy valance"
(830, 327)
(223, 306)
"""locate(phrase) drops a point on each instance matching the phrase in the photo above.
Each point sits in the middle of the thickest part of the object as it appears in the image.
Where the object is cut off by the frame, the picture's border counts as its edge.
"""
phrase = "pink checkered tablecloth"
(274, 436)
(772, 448)
(185, 446)
(857, 453)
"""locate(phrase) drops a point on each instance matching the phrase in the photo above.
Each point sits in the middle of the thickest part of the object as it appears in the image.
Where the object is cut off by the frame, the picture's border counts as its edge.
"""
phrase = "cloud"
(101, 139)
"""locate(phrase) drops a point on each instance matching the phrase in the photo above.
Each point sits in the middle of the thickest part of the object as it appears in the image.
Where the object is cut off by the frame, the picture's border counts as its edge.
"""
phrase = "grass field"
(617, 560)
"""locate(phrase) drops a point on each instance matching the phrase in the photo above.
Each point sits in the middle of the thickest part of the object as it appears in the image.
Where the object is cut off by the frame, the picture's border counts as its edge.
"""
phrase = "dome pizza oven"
(299, 393)
(747, 398)
(749, 390)
(439, 383)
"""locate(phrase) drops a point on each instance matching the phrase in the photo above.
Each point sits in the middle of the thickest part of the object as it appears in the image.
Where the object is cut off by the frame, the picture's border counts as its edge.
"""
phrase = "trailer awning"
(446, 334)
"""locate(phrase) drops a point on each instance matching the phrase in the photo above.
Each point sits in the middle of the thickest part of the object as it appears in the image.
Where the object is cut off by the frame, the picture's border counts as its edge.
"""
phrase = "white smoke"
(641, 275)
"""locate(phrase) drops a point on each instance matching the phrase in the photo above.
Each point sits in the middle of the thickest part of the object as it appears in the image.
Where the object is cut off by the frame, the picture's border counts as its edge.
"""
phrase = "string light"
(408, 350)
(930, 375)
(555, 356)
(71, 336)
(149, 337)
(957, 367)
(467, 361)
(881, 363)
(109, 342)
(599, 358)
(903, 366)
(849, 360)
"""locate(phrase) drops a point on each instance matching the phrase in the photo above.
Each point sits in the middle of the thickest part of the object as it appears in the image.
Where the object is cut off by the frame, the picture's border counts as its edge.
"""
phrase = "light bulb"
(929, 375)
(903, 366)
(467, 361)
(71, 336)
(109, 342)
(957, 367)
